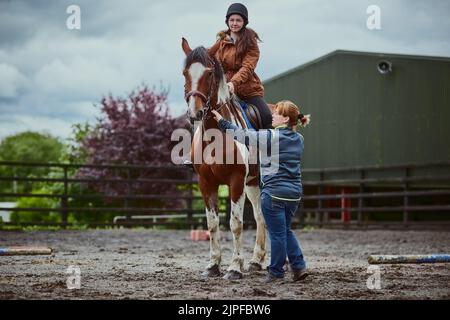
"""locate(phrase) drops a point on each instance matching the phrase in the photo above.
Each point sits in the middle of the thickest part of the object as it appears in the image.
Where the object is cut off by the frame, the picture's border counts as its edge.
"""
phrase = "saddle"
(252, 118)
(250, 112)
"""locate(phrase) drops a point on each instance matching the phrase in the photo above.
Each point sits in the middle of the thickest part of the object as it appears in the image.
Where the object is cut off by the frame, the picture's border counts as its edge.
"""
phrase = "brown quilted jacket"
(238, 70)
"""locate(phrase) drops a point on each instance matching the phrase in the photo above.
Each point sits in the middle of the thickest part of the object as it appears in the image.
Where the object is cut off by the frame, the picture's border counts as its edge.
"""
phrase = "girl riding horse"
(225, 164)
(237, 51)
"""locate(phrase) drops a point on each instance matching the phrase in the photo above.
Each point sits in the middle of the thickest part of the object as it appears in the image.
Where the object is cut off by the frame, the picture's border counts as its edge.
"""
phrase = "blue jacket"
(280, 167)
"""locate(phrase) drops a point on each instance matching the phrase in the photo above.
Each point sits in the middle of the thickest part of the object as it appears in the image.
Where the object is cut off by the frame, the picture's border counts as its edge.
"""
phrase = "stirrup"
(187, 164)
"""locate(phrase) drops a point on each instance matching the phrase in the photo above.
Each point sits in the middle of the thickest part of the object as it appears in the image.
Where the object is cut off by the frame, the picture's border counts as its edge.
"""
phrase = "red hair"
(288, 109)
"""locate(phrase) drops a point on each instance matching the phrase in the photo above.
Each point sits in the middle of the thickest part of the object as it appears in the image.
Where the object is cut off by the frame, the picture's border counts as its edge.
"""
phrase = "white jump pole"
(389, 259)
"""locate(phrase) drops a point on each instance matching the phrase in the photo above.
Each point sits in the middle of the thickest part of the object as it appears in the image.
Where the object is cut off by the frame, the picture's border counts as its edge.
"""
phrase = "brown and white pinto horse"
(206, 89)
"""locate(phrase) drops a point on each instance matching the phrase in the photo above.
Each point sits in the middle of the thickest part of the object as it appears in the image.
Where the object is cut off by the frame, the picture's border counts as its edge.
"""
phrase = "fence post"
(345, 213)
(14, 181)
(319, 213)
(405, 198)
(126, 204)
(190, 206)
(64, 201)
(360, 198)
(301, 211)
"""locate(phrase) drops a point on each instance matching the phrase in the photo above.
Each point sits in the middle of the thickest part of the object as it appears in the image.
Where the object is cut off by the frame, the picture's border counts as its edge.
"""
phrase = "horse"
(206, 90)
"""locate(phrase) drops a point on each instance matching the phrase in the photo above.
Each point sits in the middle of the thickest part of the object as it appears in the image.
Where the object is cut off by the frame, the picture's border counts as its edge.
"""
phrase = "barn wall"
(362, 118)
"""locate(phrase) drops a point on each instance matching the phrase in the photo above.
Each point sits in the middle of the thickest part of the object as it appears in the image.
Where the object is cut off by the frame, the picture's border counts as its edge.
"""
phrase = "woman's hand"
(230, 87)
(217, 116)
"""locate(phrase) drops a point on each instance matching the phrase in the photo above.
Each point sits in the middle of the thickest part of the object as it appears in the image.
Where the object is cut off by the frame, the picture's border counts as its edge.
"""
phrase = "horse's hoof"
(254, 267)
(214, 271)
(233, 275)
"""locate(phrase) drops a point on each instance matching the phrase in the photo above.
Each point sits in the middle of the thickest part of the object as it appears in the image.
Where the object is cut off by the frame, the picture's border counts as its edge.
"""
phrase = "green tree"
(75, 152)
(42, 203)
(27, 147)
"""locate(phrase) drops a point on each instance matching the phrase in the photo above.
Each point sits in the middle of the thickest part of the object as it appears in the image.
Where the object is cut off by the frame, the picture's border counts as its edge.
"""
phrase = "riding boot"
(188, 163)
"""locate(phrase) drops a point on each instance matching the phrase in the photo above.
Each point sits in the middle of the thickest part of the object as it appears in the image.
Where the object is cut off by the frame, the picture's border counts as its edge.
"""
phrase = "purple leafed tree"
(137, 131)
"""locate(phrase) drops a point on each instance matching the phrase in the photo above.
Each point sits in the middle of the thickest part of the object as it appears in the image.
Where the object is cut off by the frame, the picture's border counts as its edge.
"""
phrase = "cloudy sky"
(51, 76)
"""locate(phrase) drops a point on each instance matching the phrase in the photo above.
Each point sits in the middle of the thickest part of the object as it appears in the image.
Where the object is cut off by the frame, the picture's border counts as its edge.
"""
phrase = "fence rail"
(414, 191)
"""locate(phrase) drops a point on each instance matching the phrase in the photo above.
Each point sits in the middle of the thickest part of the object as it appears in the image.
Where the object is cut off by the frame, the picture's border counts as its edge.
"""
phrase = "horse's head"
(205, 84)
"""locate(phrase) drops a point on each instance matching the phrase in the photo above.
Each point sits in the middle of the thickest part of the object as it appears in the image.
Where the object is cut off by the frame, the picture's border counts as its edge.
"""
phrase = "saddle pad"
(244, 107)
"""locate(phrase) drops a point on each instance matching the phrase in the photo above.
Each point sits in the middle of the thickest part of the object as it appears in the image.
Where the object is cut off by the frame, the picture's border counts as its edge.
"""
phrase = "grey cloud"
(57, 74)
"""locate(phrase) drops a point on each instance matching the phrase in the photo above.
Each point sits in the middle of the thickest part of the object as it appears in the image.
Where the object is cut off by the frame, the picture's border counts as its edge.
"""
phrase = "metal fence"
(158, 215)
(361, 192)
(334, 197)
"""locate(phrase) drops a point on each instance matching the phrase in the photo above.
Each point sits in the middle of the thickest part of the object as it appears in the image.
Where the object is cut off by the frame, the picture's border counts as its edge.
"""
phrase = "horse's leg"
(210, 193)
(237, 196)
(259, 252)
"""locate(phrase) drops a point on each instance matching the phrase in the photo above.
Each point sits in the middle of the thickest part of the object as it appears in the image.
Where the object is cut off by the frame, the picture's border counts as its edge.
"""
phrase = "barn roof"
(358, 53)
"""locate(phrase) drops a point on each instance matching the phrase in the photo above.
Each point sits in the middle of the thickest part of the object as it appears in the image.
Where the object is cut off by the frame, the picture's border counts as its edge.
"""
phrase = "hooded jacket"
(281, 171)
(240, 70)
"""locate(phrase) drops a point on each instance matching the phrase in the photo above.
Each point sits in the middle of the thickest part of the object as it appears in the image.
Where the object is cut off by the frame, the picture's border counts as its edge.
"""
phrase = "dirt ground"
(153, 264)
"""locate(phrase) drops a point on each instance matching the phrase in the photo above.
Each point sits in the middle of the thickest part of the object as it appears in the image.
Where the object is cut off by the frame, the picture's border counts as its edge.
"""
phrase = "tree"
(135, 130)
(75, 152)
(41, 203)
(28, 147)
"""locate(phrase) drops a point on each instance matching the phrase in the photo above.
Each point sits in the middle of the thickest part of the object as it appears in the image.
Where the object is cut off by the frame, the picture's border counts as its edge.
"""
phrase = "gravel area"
(159, 264)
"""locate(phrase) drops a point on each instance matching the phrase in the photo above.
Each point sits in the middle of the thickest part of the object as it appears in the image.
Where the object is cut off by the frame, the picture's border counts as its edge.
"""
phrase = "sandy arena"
(152, 264)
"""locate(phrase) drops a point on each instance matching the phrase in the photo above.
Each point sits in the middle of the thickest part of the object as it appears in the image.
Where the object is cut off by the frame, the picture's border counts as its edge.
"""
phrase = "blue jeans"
(278, 215)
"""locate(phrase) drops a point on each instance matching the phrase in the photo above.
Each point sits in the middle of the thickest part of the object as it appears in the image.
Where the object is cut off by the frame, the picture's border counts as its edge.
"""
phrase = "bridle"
(205, 112)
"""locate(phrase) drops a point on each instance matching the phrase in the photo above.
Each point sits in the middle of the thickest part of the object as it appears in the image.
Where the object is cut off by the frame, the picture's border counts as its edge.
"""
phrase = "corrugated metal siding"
(360, 117)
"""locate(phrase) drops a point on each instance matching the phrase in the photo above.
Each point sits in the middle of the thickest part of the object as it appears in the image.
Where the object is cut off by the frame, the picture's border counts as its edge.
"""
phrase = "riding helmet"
(240, 9)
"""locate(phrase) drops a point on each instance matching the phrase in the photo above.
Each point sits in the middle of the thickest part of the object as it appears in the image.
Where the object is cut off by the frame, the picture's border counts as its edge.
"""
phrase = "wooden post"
(14, 180)
(190, 206)
(319, 213)
(405, 199)
(301, 214)
(21, 251)
(126, 204)
(64, 200)
(361, 199)
(345, 213)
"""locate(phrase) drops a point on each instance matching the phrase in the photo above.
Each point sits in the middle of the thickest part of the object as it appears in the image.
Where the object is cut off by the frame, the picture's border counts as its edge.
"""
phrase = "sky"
(51, 76)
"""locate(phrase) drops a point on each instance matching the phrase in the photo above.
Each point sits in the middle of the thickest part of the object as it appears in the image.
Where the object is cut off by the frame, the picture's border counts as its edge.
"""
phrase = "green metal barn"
(378, 147)
(363, 115)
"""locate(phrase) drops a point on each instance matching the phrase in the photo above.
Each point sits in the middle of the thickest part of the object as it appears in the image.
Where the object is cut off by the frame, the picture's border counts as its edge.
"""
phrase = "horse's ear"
(185, 46)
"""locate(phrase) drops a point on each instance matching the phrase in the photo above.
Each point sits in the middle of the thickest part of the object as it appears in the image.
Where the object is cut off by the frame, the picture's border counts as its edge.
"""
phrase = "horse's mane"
(200, 54)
